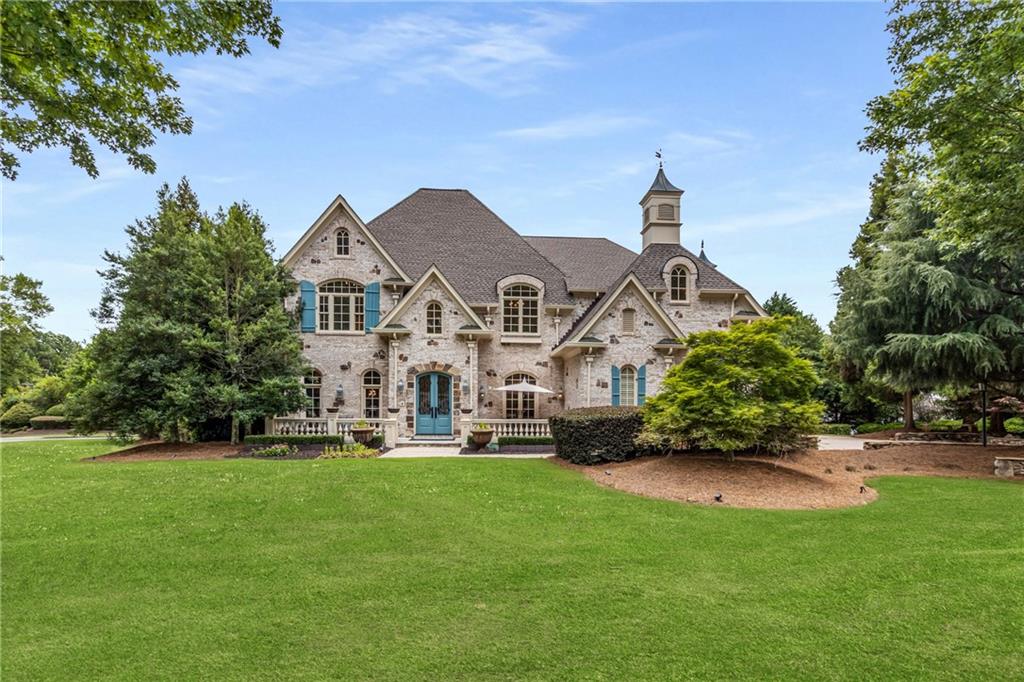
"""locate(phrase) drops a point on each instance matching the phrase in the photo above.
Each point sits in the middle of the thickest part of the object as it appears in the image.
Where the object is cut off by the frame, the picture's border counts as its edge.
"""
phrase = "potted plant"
(362, 432)
(481, 435)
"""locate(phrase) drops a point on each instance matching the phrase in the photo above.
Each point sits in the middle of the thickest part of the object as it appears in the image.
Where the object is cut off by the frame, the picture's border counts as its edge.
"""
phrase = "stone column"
(393, 375)
(472, 378)
(590, 362)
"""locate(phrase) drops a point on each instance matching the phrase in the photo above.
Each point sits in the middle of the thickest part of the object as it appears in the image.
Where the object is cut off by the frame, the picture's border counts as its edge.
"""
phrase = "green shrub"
(526, 440)
(1014, 425)
(348, 451)
(872, 427)
(833, 429)
(294, 440)
(56, 410)
(49, 422)
(18, 415)
(741, 389)
(945, 425)
(280, 450)
(591, 435)
(988, 425)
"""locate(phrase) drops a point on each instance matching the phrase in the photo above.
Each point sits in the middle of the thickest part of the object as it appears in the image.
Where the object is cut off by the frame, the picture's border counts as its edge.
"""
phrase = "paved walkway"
(450, 451)
(49, 436)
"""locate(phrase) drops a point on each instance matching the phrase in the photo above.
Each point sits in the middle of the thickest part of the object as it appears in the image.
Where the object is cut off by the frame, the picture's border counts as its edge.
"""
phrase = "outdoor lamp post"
(983, 386)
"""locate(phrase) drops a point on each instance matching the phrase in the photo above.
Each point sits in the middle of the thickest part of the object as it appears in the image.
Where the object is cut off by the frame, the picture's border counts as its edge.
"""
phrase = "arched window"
(627, 385)
(520, 405)
(519, 305)
(434, 318)
(371, 394)
(679, 282)
(311, 382)
(628, 321)
(341, 306)
(666, 212)
(342, 245)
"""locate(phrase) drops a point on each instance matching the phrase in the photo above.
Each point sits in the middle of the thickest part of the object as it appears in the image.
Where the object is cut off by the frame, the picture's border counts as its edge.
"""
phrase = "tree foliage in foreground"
(72, 72)
(958, 111)
(198, 332)
(738, 389)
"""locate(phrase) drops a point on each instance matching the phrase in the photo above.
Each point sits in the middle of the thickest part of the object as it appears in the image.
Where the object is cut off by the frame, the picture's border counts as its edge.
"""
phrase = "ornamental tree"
(739, 389)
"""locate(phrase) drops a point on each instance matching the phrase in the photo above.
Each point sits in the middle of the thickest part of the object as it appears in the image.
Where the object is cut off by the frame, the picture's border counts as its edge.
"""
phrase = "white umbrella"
(522, 387)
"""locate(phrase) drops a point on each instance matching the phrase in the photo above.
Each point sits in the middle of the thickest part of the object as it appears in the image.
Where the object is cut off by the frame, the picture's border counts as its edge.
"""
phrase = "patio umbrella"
(522, 387)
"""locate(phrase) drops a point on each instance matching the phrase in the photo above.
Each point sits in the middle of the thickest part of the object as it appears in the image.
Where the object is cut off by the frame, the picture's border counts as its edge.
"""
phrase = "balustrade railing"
(520, 428)
(299, 426)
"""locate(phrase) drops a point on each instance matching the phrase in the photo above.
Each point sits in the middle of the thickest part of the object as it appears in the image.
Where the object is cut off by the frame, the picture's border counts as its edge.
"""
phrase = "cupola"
(661, 211)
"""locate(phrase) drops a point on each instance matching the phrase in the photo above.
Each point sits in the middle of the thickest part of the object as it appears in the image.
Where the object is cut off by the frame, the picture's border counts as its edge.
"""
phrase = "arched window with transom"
(519, 309)
(342, 243)
(679, 284)
(311, 382)
(434, 327)
(520, 405)
(341, 306)
(371, 394)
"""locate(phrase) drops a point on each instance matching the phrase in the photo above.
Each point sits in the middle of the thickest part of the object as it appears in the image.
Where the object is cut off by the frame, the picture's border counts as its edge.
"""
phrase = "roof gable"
(433, 274)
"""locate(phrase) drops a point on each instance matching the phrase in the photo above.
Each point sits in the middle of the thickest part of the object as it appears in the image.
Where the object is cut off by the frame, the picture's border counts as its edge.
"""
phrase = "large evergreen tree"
(196, 327)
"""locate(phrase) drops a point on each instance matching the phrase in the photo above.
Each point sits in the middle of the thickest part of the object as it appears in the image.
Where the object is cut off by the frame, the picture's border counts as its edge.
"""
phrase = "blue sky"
(550, 114)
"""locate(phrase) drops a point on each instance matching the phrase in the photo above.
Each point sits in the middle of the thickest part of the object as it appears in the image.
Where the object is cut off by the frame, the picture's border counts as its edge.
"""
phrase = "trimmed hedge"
(526, 440)
(833, 429)
(945, 425)
(49, 422)
(872, 427)
(18, 415)
(56, 410)
(591, 435)
(1014, 425)
(294, 440)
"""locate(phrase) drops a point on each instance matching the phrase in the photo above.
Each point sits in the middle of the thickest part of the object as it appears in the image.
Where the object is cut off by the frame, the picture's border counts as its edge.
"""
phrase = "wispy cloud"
(501, 58)
(586, 125)
(684, 144)
(798, 212)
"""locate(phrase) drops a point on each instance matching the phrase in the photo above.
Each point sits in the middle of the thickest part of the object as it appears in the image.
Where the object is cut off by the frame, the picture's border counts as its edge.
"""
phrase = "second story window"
(342, 243)
(519, 306)
(679, 282)
(434, 318)
(341, 306)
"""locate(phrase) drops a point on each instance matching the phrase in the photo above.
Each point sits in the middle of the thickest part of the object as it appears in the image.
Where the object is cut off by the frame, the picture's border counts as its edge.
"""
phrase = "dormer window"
(519, 306)
(666, 212)
(434, 319)
(342, 243)
(679, 283)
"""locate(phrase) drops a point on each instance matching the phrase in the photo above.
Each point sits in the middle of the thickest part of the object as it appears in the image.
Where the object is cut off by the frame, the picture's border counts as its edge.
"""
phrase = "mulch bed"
(157, 450)
(808, 480)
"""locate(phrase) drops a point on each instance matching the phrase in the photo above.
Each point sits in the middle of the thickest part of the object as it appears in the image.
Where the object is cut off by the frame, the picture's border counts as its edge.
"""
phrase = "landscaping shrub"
(872, 427)
(18, 415)
(49, 422)
(833, 429)
(56, 410)
(526, 440)
(945, 425)
(741, 389)
(988, 425)
(294, 440)
(1014, 425)
(348, 451)
(591, 435)
(281, 450)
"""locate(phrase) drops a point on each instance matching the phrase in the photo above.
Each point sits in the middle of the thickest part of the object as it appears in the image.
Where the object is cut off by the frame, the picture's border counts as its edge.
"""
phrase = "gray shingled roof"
(589, 263)
(470, 245)
(661, 183)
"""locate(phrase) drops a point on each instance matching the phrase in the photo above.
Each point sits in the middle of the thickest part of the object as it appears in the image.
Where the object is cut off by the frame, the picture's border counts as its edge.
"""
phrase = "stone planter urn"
(362, 434)
(481, 436)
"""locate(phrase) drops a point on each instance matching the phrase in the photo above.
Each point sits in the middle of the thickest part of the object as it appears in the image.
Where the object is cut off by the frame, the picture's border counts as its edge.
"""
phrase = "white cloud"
(684, 145)
(502, 58)
(798, 212)
(586, 125)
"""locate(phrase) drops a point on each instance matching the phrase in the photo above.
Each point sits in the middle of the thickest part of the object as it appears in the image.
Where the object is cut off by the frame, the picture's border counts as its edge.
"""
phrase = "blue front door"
(433, 404)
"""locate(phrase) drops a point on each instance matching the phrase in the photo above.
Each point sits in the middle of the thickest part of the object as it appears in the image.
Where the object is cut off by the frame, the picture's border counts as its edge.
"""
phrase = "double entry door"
(433, 404)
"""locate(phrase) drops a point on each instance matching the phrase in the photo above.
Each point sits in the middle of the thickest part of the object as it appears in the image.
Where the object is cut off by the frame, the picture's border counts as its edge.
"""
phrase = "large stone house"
(412, 320)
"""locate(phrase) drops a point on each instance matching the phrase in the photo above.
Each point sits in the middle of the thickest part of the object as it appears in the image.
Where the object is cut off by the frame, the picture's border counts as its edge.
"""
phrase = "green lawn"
(406, 569)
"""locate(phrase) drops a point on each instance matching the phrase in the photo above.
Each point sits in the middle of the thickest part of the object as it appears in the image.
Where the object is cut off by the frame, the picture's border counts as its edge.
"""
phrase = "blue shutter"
(371, 305)
(641, 384)
(615, 385)
(307, 293)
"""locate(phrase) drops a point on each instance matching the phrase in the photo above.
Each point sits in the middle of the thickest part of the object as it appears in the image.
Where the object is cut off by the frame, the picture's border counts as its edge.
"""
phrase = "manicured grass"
(412, 569)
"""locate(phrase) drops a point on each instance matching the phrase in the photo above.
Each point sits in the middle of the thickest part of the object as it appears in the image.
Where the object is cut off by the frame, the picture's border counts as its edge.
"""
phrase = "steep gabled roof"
(589, 263)
(455, 231)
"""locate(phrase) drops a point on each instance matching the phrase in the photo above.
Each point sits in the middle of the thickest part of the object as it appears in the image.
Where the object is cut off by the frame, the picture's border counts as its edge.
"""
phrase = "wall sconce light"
(339, 392)
(401, 385)
(483, 389)
(465, 387)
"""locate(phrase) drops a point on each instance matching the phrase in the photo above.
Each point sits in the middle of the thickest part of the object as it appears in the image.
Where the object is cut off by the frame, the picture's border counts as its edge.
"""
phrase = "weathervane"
(657, 155)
